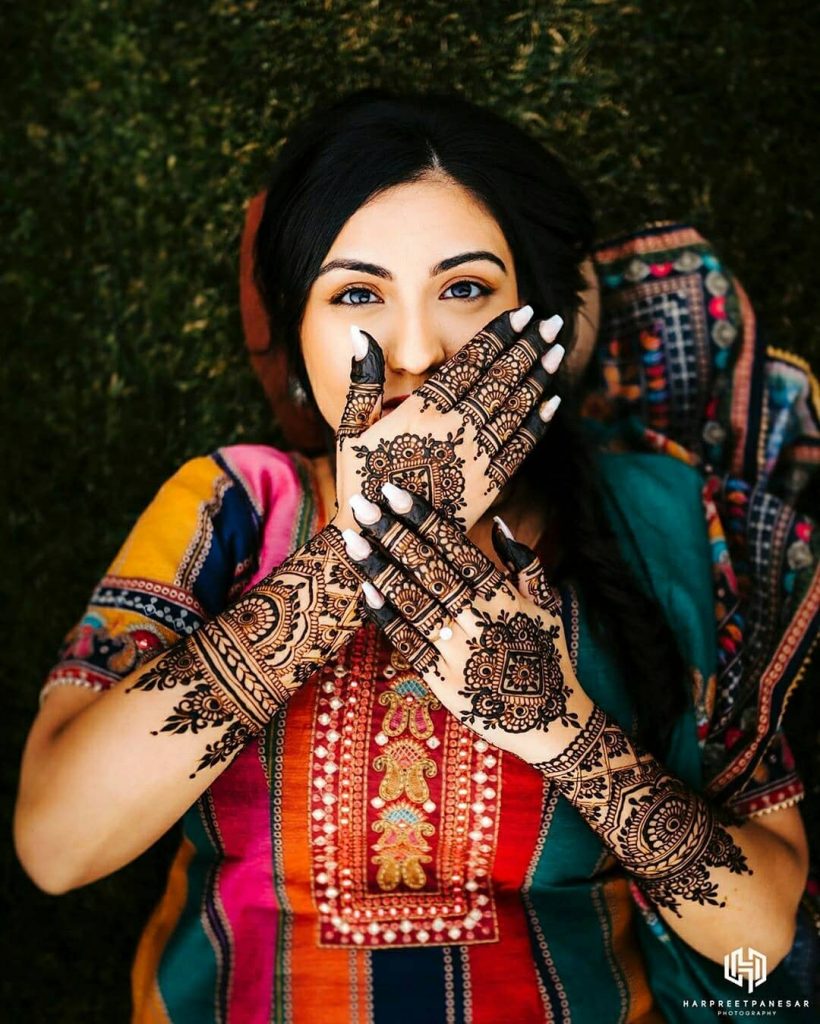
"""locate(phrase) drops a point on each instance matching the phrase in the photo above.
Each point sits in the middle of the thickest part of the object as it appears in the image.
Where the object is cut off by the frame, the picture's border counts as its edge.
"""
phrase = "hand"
(491, 647)
(457, 439)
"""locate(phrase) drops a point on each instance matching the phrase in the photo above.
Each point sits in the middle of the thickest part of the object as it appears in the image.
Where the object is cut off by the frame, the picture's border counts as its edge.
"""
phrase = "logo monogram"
(751, 967)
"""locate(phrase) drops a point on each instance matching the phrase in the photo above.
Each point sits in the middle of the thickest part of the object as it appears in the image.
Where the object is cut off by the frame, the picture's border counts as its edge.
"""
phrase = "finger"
(503, 376)
(506, 462)
(468, 561)
(407, 640)
(525, 567)
(411, 602)
(533, 390)
(455, 377)
(421, 561)
(363, 405)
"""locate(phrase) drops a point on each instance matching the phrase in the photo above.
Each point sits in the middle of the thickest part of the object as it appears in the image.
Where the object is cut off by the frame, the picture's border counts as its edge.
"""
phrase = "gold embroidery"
(405, 764)
(402, 850)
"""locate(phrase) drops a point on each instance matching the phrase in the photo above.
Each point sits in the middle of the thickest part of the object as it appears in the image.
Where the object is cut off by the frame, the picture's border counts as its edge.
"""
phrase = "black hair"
(345, 154)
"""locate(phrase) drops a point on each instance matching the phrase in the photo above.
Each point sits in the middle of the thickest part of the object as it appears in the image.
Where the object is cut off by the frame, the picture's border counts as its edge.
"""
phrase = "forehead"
(434, 217)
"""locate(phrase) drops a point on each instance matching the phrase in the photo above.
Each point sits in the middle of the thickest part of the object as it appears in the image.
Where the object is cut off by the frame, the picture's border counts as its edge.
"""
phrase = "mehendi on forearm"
(663, 833)
(243, 665)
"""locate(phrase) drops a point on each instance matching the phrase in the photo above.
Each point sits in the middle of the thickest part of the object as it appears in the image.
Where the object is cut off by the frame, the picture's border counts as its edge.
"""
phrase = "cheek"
(327, 361)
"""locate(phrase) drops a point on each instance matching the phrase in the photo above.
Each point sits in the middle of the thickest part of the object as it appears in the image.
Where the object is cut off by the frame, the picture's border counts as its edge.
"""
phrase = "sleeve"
(188, 556)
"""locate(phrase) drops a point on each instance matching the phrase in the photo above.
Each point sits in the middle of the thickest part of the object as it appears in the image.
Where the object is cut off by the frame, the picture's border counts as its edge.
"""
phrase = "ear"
(366, 391)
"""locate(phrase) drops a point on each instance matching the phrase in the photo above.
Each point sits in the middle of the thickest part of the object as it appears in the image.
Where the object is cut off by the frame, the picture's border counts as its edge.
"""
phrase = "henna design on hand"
(365, 392)
(666, 835)
(514, 679)
(434, 551)
(426, 465)
(467, 366)
(526, 569)
(245, 664)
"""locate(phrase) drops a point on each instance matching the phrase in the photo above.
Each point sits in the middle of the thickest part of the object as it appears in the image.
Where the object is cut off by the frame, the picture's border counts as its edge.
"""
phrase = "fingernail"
(365, 511)
(372, 596)
(400, 501)
(357, 547)
(520, 318)
(359, 342)
(550, 360)
(548, 329)
(503, 527)
(547, 409)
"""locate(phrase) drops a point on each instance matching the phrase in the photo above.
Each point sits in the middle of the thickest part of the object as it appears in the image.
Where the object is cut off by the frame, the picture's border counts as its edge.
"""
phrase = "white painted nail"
(359, 342)
(372, 596)
(520, 318)
(400, 501)
(548, 329)
(503, 527)
(551, 360)
(357, 546)
(547, 409)
(365, 511)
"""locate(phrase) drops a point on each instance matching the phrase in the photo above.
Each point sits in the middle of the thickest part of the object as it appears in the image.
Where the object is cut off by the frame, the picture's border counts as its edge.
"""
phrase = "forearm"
(127, 766)
(717, 882)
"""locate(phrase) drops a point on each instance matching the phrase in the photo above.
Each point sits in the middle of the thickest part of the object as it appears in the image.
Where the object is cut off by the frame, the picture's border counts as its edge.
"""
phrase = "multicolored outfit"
(368, 858)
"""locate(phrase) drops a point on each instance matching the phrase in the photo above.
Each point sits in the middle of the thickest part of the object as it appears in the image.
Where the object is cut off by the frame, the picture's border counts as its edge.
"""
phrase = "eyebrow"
(439, 268)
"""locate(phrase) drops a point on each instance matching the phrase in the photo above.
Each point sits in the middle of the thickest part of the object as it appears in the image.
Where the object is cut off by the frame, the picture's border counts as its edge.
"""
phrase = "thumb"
(364, 395)
(525, 568)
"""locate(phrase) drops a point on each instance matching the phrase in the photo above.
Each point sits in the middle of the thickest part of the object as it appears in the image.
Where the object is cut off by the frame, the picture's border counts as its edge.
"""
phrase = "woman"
(386, 849)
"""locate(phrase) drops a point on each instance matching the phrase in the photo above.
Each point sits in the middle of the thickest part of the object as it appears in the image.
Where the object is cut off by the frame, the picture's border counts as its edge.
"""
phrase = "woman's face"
(422, 267)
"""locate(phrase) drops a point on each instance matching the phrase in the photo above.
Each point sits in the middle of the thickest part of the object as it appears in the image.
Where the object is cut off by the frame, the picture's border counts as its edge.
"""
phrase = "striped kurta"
(367, 858)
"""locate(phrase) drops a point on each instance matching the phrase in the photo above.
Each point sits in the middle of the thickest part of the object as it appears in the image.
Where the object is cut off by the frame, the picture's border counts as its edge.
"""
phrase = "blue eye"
(466, 290)
(356, 296)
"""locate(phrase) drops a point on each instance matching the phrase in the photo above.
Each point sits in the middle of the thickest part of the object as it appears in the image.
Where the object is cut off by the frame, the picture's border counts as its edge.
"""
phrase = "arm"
(496, 656)
(165, 731)
(719, 882)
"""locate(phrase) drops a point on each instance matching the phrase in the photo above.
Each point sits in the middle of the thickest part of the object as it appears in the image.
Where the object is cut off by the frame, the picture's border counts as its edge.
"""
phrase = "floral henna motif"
(246, 663)
(662, 832)
(422, 465)
(514, 679)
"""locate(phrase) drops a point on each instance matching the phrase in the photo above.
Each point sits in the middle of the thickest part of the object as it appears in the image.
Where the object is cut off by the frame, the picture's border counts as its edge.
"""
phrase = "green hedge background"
(133, 134)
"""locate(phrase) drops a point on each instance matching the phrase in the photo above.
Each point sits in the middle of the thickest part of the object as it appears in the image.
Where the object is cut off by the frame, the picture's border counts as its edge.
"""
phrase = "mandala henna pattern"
(662, 832)
(422, 465)
(245, 664)
(513, 678)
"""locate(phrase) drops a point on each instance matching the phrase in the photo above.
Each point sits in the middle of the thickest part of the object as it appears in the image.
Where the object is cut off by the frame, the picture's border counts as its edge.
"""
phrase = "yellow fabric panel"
(156, 546)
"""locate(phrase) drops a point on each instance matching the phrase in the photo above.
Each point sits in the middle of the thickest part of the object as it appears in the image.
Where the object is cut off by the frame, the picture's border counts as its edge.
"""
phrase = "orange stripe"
(625, 950)
(494, 984)
(320, 978)
(148, 1005)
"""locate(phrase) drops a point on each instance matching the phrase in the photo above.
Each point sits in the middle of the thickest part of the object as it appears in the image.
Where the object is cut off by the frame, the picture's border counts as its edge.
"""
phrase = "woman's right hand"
(459, 438)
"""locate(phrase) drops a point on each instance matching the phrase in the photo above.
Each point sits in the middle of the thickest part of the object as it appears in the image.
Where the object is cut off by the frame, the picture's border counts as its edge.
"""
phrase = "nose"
(414, 347)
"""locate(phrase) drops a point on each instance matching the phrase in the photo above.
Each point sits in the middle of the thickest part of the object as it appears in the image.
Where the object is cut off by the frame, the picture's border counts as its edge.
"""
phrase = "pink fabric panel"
(241, 800)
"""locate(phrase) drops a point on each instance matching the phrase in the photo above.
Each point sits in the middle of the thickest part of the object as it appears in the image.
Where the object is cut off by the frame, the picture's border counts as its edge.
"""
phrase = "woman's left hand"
(491, 647)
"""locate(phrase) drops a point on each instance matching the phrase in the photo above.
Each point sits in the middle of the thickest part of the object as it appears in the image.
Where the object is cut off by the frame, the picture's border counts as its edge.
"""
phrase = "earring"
(296, 390)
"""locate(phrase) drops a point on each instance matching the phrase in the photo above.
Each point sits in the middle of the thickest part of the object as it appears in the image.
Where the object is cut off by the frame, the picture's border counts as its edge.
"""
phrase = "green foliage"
(134, 134)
